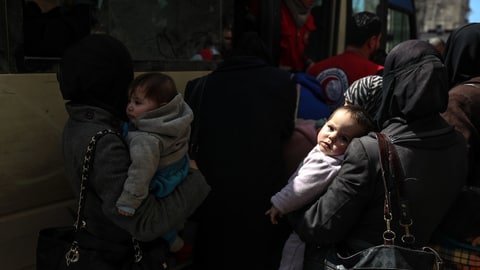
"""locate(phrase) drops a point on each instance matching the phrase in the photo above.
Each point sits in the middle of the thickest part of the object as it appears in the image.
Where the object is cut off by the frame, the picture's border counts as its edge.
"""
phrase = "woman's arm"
(154, 217)
(309, 182)
(330, 219)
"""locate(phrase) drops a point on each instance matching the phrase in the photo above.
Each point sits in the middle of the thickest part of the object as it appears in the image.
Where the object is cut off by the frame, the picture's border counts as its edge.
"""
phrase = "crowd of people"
(248, 210)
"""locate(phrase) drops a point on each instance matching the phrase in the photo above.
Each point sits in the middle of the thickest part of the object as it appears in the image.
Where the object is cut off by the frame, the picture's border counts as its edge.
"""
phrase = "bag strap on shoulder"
(393, 177)
(86, 168)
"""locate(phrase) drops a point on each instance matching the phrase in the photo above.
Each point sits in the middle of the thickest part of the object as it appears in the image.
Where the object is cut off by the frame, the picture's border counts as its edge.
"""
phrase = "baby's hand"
(274, 213)
(476, 241)
(124, 213)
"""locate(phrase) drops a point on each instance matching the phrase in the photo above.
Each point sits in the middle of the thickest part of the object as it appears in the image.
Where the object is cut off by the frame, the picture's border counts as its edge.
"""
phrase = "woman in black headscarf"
(462, 53)
(348, 217)
(462, 58)
(94, 76)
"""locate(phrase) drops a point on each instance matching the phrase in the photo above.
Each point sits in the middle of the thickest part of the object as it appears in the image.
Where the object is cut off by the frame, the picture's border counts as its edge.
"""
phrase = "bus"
(165, 36)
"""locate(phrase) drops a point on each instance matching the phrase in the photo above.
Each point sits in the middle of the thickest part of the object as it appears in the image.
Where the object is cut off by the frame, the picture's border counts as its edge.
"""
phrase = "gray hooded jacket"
(160, 140)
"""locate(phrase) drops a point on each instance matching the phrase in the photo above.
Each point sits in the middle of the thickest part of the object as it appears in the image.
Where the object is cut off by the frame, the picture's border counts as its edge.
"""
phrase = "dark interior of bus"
(166, 35)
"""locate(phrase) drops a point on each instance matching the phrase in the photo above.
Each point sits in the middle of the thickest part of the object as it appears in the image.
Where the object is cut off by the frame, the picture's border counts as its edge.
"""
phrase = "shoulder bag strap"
(388, 234)
(393, 180)
(87, 165)
(72, 255)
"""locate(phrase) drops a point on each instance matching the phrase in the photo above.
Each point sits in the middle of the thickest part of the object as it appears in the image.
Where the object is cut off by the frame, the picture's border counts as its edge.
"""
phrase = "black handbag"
(389, 255)
(73, 247)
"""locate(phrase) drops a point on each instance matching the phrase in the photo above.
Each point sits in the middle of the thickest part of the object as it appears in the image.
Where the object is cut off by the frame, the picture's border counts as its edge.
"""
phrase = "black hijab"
(462, 54)
(97, 71)
(415, 83)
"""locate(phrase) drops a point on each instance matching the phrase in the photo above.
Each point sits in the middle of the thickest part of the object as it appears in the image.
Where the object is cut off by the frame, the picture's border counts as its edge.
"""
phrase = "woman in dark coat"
(94, 76)
(348, 217)
(246, 116)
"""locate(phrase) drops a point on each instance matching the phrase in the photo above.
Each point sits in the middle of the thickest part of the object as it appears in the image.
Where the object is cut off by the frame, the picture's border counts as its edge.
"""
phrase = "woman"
(461, 227)
(94, 75)
(462, 56)
(348, 217)
(246, 116)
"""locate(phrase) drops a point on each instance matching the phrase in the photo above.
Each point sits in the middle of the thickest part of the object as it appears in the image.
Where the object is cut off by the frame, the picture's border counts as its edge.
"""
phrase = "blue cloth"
(125, 129)
(311, 104)
(167, 178)
(170, 236)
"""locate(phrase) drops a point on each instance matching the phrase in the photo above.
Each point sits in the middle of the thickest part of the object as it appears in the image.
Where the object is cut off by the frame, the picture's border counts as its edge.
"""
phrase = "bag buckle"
(72, 255)
(138, 251)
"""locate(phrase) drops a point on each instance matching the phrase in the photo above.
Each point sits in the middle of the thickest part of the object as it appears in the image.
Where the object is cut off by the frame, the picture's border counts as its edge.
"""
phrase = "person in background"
(157, 135)
(214, 50)
(460, 231)
(336, 73)
(94, 75)
(227, 31)
(246, 116)
(210, 51)
(316, 172)
(296, 25)
(347, 218)
(462, 55)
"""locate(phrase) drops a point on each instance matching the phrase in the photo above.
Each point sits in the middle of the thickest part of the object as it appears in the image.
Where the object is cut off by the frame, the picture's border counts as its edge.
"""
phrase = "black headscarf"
(97, 71)
(415, 83)
(462, 54)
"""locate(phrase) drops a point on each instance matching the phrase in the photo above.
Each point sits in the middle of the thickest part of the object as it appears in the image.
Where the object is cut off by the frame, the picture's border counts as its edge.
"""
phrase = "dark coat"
(111, 161)
(246, 116)
(94, 76)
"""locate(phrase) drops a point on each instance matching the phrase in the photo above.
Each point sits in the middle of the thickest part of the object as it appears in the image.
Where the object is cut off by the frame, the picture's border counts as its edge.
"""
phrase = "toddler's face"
(337, 133)
(139, 104)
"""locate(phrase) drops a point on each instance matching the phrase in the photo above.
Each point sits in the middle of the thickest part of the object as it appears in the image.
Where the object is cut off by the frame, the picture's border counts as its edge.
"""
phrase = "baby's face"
(139, 104)
(337, 133)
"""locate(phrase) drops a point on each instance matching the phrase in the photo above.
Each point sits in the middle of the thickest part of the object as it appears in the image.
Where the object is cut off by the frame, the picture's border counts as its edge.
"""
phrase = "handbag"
(389, 255)
(73, 247)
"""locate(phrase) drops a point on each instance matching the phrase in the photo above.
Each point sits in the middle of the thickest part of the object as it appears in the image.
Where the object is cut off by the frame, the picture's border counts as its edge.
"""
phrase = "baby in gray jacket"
(157, 135)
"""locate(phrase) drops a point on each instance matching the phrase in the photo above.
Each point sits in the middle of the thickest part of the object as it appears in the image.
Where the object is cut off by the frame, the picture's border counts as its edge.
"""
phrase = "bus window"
(365, 5)
(398, 28)
(401, 22)
(160, 35)
(168, 30)
(172, 35)
(398, 17)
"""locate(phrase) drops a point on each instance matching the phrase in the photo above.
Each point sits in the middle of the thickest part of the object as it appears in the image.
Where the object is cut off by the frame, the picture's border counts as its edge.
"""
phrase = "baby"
(157, 135)
(316, 172)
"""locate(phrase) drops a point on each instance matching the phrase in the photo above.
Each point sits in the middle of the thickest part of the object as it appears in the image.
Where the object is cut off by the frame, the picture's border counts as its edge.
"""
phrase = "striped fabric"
(366, 92)
(458, 258)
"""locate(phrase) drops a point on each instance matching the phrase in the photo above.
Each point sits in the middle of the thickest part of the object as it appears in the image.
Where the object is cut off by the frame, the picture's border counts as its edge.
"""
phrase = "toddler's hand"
(124, 213)
(476, 241)
(273, 213)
